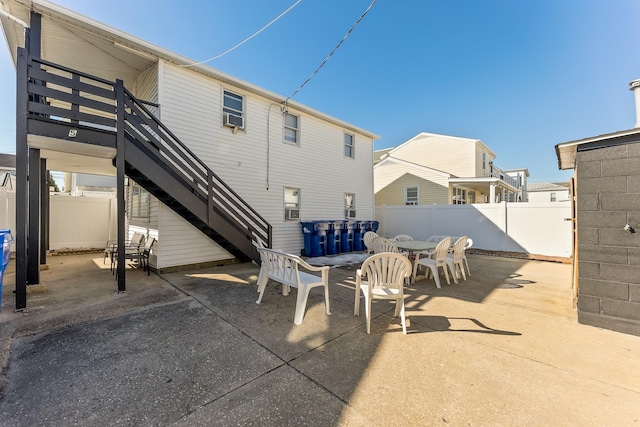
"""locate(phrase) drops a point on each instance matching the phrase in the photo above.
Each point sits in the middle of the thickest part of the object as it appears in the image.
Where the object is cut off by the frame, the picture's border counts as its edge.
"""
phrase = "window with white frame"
(349, 201)
(291, 203)
(484, 161)
(349, 149)
(291, 128)
(233, 108)
(411, 196)
(459, 196)
(139, 202)
(553, 197)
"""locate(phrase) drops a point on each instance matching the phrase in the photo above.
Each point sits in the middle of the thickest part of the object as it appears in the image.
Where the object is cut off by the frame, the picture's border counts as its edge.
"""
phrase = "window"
(139, 202)
(291, 128)
(459, 196)
(292, 203)
(349, 201)
(553, 197)
(411, 196)
(234, 105)
(348, 146)
(484, 161)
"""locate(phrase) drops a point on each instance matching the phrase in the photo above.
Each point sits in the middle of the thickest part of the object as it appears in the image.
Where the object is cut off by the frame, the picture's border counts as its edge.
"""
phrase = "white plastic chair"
(464, 254)
(385, 274)
(368, 238)
(439, 260)
(455, 258)
(382, 244)
(402, 238)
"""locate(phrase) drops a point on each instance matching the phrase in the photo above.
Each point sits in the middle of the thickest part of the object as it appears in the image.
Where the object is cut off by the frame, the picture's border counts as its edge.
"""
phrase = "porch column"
(492, 193)
(22, 171)
(120, 169)
(33, 239)
(44, 211)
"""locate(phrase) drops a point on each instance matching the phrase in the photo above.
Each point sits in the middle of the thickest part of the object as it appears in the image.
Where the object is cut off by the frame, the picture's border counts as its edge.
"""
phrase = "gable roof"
(544, 186)
(382, 180)
(81, 43)
(426, 135)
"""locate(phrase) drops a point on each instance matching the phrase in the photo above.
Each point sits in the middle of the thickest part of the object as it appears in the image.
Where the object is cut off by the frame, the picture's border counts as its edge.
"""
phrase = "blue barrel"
(357, 237)
(6, 239)
(331, 239)
(346, 235)
(308, 230)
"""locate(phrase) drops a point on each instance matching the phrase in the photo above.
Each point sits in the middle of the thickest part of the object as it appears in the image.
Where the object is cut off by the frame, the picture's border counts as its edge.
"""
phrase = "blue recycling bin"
(346, 236)
(310, 237)
(333, 237)
(357, 236)
(374, 226)
(6, 238)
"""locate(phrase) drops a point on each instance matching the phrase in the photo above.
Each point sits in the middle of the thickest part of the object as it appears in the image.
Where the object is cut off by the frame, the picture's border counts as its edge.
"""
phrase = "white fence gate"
(535, 228)
(74, 222)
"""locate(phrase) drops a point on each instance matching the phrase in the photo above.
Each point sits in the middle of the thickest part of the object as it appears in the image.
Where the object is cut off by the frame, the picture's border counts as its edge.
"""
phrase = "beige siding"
(391, 179)
(258, 165)
(453, 155)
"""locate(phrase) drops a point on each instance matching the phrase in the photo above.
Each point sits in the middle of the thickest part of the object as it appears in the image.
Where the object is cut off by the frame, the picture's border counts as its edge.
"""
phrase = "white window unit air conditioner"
(233, 120)
(292, 213)
(350, 213)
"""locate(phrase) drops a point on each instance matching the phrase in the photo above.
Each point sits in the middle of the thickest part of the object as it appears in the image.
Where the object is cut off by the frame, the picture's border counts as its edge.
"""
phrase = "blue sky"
(521, 76)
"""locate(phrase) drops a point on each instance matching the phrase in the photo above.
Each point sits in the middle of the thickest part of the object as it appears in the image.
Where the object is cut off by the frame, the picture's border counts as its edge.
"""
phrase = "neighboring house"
(607, 182)
(547, 192)
(88, 185)
(228, 165)
(7, 170)
(442, 169)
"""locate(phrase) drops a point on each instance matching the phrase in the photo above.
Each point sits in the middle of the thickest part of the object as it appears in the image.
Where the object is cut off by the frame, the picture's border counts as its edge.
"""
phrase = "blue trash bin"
(6, 238)
(357, 236)
(310, 232)
(346, 236)
(331, 239)
(374, 226)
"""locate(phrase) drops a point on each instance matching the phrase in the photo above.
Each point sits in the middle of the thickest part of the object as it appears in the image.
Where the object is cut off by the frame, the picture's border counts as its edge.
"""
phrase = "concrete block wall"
(608, 198)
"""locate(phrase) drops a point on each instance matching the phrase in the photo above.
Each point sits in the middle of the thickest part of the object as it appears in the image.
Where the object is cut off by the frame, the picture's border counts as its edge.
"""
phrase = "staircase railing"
(63, 95)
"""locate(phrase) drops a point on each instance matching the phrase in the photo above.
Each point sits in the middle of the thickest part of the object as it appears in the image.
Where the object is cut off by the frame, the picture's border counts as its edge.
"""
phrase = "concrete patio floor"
(192, 348)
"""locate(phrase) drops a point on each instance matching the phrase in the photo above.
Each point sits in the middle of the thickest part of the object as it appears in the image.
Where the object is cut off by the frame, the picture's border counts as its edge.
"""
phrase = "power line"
(247, 39)
(331, 54)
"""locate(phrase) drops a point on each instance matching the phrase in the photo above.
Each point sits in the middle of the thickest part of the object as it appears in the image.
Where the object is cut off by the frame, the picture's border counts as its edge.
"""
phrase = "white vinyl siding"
(257, 166)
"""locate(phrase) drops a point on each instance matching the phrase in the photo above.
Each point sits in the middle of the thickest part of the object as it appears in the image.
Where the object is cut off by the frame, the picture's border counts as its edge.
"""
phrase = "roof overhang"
(483, 184)
(566, 151)
(83, 44)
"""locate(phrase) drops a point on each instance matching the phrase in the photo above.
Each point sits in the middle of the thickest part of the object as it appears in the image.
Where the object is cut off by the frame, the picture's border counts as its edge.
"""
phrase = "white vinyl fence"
(75, 222)
(535, 228)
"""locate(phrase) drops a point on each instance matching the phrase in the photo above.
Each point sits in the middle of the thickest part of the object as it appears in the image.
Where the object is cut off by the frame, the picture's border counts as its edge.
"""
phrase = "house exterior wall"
(257, 164)
(391, 179)
(453, 155)
(608, 198)
(545, 196)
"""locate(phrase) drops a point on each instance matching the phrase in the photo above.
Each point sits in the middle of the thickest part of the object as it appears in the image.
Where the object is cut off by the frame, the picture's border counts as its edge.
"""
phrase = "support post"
(22, 171)
(44, 211)
(33, 236)
(120, 169)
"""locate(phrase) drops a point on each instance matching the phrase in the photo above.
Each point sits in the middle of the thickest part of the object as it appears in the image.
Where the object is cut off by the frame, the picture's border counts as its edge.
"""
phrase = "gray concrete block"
(623, 309)
(620, 273)
(620, 201)
(604, 289)
(634, 293)
(601, 219)
(611, 323)
(603, 254)
(589, 304)
(589, 270)
(621, 167)
(588, 169)
(606, 153)
(589, 236)
(633, 183)
(602, 185)
(634, 256)
(619, 237)
(633, 150)
(588, 202)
